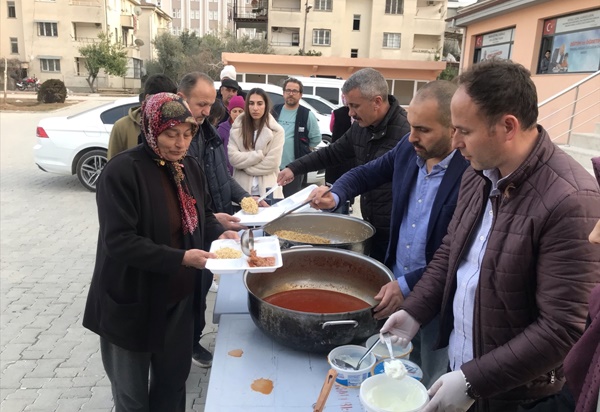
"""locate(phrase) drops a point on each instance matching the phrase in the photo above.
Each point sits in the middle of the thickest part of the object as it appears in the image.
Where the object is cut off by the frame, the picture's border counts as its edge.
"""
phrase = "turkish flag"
(549, 27)
(478, 41)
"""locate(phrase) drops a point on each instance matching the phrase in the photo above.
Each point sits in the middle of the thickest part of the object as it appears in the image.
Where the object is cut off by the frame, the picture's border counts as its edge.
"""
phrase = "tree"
(106, 55)
(178, 55)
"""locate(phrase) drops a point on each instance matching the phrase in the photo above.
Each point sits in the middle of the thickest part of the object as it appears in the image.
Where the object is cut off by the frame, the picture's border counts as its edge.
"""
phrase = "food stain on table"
(236, 353)
(264, 386)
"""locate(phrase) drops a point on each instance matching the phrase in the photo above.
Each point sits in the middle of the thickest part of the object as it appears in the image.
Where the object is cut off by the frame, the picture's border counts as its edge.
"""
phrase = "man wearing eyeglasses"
(302, 133)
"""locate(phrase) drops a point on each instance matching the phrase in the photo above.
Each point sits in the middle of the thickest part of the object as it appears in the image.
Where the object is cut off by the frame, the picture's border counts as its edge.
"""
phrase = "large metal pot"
(317, 268)
(344, 232)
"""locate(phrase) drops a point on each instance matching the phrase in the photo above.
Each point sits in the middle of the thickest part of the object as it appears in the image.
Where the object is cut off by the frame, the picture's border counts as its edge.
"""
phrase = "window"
(12, 11)
(494, 45)
(356, 22)
(14, 45)
(391, 40)
(354, 53)
(110, 116)
(48, 29)
(325, 5)
(394, 6)
(50, 65)
(570, 44)
(321, 37)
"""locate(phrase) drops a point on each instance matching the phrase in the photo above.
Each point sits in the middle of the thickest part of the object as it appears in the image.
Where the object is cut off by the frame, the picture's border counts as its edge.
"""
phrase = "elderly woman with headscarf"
(155, 225)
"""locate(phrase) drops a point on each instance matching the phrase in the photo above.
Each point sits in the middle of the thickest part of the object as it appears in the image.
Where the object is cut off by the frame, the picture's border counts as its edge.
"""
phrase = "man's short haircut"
(501, 87)
(369, 82)
(442, 91)
(293, 80)
(158, 83)
(189, 81)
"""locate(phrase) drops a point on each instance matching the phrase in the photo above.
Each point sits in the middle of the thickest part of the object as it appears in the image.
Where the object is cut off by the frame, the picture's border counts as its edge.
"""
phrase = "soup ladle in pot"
(247, 238)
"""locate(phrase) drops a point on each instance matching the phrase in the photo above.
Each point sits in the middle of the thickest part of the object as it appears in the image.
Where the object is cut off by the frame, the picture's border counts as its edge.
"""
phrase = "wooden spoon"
(327, 385)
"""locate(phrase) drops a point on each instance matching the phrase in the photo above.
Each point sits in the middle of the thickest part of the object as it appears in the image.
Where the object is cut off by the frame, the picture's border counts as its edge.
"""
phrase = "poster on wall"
(500, 51)
(575, 52)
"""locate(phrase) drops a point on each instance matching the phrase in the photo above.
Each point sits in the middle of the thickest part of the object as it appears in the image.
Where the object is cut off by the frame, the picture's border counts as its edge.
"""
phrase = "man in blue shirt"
(425, 173)
(302, 133)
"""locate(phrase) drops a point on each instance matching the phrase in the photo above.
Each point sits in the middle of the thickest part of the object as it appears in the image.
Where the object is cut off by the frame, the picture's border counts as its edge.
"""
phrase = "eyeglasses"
(290, 91)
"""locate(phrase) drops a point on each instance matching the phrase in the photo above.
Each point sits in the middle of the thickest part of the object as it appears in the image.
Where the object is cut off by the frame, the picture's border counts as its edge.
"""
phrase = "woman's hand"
(196, 258)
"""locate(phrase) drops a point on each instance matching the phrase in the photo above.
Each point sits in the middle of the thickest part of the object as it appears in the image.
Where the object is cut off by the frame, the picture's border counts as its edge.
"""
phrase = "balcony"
(127, 21)
(251, 16)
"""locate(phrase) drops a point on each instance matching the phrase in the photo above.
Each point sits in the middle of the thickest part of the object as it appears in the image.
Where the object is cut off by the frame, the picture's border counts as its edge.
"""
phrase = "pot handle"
(299, 246)
(339, 322)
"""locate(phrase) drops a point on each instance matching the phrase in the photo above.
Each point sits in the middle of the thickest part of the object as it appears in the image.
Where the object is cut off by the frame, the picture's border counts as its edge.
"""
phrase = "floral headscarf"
(160, 112)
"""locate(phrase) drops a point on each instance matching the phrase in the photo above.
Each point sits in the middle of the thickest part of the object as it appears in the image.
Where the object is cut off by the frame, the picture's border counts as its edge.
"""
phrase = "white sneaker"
(214, 287)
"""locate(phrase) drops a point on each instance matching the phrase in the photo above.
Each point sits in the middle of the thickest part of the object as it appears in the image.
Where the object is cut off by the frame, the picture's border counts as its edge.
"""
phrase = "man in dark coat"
(379, 124)
(207, 148)
(425, 174)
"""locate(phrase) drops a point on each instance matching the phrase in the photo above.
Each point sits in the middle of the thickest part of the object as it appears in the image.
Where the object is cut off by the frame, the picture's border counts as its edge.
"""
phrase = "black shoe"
(201, 357)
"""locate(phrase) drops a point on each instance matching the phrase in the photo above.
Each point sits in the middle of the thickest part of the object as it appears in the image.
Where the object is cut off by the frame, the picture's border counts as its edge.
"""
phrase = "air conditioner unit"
(276, 29)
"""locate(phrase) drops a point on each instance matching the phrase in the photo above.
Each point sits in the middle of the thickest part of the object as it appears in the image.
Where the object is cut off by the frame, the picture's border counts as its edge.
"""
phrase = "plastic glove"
(449, 394)
(402, 327)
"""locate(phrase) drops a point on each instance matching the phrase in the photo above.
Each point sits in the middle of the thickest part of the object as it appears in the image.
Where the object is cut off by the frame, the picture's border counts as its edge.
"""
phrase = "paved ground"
(48, 361)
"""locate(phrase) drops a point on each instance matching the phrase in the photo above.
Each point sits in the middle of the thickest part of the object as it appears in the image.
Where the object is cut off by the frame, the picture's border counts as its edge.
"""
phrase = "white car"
(78, 144)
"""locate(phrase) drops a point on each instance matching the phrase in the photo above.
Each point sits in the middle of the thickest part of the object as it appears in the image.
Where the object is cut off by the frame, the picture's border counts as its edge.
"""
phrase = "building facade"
(523, 31)
(199, 16)
(379, 29)
(45, 36)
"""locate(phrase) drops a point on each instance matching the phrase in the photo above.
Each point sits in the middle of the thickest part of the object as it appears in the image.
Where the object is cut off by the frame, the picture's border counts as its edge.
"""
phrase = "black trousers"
(202, 285)
(167, 371)
(294, 186)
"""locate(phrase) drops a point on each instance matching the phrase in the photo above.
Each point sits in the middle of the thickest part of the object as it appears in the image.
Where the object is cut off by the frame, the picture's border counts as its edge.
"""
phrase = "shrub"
(52, 91)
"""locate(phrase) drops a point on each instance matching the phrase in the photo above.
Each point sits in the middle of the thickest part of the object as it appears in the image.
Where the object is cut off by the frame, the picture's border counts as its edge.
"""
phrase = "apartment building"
(45, 36)
(200, 16)
(379, 29)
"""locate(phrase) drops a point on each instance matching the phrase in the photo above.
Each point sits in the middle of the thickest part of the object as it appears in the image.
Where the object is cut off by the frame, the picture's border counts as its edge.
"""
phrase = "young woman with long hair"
(255, 145)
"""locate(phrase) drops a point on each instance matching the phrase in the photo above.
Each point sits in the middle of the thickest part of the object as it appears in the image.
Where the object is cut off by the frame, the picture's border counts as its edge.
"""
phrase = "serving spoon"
(247, 238)
(345, 365)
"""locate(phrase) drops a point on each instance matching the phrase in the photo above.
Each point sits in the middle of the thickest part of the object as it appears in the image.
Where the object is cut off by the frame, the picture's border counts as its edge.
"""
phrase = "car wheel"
(326, 139)
(89, 167)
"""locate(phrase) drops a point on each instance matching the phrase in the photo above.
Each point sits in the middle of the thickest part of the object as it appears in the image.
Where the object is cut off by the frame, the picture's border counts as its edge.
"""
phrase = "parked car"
(78, 144)
(324, 106)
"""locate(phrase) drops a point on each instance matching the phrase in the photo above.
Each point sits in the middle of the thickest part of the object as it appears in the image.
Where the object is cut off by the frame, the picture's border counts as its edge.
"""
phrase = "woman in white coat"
(255, 146)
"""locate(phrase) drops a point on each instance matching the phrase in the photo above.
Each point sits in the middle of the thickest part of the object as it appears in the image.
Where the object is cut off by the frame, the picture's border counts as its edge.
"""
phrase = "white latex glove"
(449, 394)
(402, 327)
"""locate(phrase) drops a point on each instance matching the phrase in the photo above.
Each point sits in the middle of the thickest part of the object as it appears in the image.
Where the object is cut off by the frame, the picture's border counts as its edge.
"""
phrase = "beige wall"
(528, 23)
(420, 18)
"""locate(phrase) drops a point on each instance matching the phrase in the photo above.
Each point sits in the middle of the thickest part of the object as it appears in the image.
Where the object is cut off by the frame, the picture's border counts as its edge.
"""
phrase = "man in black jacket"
(207, 148)
(379, 124)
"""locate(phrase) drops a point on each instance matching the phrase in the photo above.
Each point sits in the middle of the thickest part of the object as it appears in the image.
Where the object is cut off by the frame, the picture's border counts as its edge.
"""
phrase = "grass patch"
(32, 105)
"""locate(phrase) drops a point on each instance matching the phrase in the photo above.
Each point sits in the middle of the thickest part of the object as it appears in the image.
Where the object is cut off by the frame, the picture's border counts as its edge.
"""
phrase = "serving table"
(297, 376)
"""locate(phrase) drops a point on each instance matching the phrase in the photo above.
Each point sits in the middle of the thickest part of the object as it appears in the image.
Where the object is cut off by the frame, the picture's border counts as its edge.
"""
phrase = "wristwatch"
(470, 391)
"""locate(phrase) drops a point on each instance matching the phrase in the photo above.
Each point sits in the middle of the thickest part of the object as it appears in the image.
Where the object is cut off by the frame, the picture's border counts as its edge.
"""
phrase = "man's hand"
(262, 203)
(402, 327)
(285, 177)
(449, 394)
(229, 234)
(229, 222)
(196, 258)
(391, 298)
(320, 200)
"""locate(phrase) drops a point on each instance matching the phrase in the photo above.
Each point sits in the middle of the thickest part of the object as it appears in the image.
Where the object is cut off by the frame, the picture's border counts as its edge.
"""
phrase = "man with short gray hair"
(379, 124)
